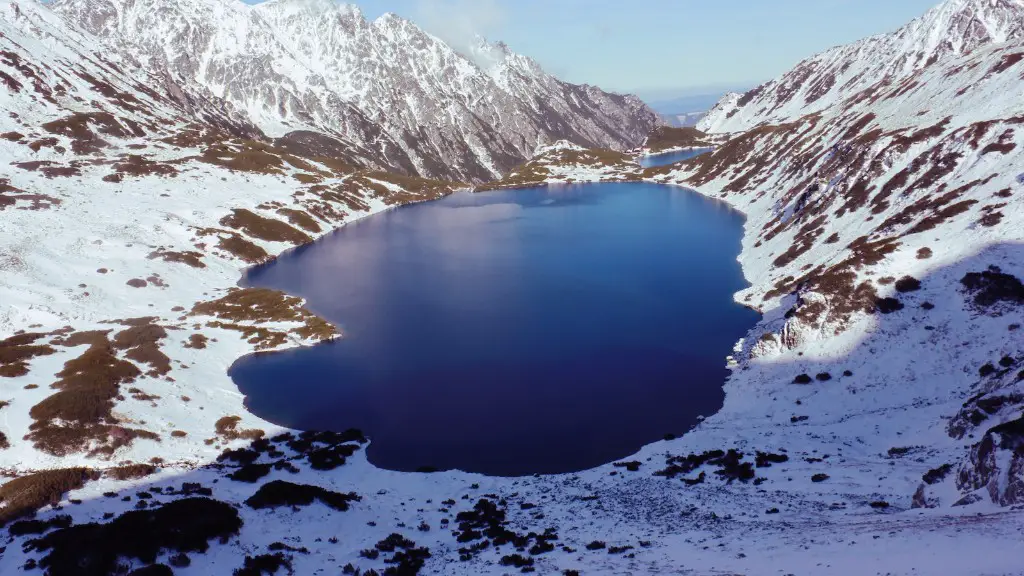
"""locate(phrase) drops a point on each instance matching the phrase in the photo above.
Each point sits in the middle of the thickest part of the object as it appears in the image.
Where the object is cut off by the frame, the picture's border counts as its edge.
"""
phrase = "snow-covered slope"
(953, 28)
(397, 95)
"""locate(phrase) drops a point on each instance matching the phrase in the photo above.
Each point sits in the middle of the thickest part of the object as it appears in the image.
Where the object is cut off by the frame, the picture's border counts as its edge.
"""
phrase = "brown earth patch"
(196, 341)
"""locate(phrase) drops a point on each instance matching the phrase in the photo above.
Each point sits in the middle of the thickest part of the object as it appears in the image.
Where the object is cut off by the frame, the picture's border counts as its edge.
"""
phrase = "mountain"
(858, 70)
(396, 96)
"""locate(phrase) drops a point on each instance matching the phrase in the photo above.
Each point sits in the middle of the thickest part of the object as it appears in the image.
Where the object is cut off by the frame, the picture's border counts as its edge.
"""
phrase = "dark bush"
(772, 511)
(992, 286)
(880, 505)
(908, 284)
(1007, 361)
(935, 475)
(819, 477)
(927, 305)
(802, 379)
(795, 419)
(847, 373)
(180, 560)
(250, 473)
(516, 560)
(23, 527)
(596, 545)
(824, 377)
(94, 549)
(888, 305)
(987, 370)
(631, 466)
(263, 564)
(281, 493)
(24, 495)
(766, 459)
(618, 549)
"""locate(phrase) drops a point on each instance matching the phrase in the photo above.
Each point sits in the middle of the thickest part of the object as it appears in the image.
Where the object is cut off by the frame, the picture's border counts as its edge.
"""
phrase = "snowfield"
(871, 423)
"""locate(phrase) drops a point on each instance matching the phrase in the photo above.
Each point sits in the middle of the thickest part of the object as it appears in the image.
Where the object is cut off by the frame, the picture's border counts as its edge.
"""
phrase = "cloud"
(459, 22)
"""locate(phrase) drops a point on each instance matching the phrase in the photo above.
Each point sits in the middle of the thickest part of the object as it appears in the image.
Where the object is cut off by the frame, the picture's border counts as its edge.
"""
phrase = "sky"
(659, 48)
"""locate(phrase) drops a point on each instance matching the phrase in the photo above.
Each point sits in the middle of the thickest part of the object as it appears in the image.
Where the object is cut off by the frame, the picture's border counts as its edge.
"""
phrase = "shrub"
(263, 564)
(819, 477)
(992, 286)
(281, 493)
(823, 377)
(23, 496)
(802, 379)
(516, 560)
(130, 471)
(908, 284)
(888, 305)
(596, 545)
(180, 526)
(987, 370)
(250, 473)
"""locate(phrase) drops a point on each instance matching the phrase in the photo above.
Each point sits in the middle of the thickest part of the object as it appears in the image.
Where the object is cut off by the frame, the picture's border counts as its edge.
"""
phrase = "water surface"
(670, 157)
(530, 331)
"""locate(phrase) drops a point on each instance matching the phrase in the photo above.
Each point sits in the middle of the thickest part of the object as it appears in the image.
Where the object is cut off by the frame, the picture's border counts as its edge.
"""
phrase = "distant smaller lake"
(669, 158)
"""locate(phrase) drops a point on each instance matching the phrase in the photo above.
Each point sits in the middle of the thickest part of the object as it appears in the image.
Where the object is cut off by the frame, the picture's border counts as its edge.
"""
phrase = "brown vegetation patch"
(243, 249)
(24, 495)
(16, 351)
(137, 283)
(301, 219)
(263, 228)
(79, 415)
(130, 471)
(666, 138)
(227, 428)
(138, 166)
(190, 257)
(1007, 62)
(51, 169)
(196, 341)
(79, 128)
(12, 136)
(260, 305)
(141, 340)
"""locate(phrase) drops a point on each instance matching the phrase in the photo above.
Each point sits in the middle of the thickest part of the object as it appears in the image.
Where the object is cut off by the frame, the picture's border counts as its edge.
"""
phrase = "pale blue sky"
(648, 45)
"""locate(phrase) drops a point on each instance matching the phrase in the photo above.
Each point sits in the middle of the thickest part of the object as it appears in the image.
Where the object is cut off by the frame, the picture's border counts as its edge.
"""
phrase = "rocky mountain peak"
(950, 30)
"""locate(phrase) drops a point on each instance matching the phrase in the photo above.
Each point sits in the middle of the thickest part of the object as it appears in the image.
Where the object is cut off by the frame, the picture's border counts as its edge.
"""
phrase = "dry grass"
(264, 228)
(666, 138)
(190, 257)
(130, 471)
(16, 351)
(78, 416)
(301, 219)
(227, 428)
(260, 305)
(24, 495)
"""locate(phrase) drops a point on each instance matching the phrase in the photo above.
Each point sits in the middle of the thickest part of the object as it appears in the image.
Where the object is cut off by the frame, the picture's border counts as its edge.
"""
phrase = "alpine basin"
(545, 330)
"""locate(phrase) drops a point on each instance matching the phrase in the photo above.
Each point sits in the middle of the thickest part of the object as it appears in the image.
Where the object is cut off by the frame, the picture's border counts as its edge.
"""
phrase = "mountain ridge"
(952, 28)
(385, 87)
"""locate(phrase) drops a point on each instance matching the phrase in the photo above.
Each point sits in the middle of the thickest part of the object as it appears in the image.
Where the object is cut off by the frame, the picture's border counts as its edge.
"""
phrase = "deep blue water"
(508, 333)
(670, 158)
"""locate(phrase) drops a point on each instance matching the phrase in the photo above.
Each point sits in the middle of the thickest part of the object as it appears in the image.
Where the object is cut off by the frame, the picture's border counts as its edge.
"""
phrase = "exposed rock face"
(952, 29)
(398, 97)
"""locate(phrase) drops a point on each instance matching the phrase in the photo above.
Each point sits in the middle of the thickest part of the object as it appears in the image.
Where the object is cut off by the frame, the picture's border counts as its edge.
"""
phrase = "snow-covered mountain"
(398, 97)
(860, 70)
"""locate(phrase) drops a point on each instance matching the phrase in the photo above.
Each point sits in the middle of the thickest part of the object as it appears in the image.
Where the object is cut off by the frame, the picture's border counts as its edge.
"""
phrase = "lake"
(544, 330)
(670, 157)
